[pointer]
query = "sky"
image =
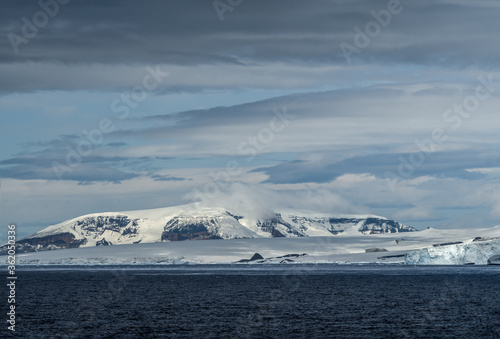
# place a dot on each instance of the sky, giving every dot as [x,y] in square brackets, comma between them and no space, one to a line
[382,107]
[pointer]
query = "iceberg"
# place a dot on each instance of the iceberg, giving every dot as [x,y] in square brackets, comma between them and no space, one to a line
[458,254]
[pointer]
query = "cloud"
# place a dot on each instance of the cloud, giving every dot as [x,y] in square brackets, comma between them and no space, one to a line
[453,164]
[258,201]
[336,127]
[353,121]
[117,144]
[372,119]
[415,213]
[53,164]
[160,177]
[83,173]
[105,46]
[175,32]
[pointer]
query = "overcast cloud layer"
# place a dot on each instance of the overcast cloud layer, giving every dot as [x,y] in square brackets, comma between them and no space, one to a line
[117,105]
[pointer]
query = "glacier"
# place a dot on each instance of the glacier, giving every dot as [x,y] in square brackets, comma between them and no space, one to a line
[474,252]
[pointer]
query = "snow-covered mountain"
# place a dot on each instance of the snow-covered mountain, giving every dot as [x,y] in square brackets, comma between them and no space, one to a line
[193,222]
[449,246]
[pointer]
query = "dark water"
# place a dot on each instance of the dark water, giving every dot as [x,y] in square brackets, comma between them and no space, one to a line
[304,302]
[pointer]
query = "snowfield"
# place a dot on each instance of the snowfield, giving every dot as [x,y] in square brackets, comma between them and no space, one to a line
[413,248]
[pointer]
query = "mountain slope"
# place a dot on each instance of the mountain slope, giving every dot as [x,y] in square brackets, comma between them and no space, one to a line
[343,249]
[192,222]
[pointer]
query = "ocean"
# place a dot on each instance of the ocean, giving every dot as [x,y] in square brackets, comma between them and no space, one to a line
[251,301]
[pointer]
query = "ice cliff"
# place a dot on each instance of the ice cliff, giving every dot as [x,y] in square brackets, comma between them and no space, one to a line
[476,252]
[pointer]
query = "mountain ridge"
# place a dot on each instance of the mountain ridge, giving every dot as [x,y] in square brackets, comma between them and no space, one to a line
[194,222]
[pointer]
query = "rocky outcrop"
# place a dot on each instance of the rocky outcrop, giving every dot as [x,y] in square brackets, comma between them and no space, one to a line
[278,227]
[284,259]
[98,225]
[370,225]
[381,226]
[448,243]
[103,242]
[256,256]
[197,228]
[188,235]
[49,242]
[373,250]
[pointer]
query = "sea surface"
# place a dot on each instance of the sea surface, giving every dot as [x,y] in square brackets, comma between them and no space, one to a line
[249,301]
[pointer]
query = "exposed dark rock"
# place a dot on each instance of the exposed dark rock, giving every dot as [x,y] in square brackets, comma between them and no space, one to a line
[293,255]
[237,217]
[256,256]
[380,226]
[179,236]
[277,234]
[270,225]
[89,226]
[391,256]
[372,250]
[103,242]
[185,228]
[55,241]
[481,239]
[100,224]
[448,243]
[367,226]
[129,230]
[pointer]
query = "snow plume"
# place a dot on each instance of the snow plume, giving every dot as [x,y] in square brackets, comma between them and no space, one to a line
[261,202]
[320,200]
[241,199]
